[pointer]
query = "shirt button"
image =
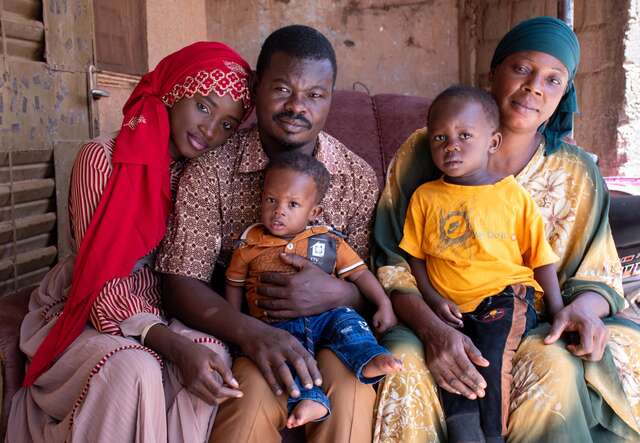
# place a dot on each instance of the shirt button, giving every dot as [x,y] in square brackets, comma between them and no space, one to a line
[289,246]
[513,237]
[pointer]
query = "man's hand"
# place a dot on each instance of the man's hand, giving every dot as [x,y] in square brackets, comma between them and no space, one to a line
[273,350]
[309,291]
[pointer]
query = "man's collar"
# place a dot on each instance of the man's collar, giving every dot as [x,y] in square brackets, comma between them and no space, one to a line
[254,159]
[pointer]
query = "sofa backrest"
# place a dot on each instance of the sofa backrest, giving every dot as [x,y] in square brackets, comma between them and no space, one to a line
[373,126]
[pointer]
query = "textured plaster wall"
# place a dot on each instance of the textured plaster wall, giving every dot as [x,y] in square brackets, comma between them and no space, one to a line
[173,24]
[399,46]
[601,76]
[629,129]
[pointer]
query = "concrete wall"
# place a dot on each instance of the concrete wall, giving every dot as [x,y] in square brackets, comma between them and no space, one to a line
[399,46]
[601,78]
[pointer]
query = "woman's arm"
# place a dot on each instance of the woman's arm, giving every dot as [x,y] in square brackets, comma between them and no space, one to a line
[410,167]
[203,372]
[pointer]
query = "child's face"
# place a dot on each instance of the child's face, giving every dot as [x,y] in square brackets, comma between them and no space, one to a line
[461,139]
[288,202]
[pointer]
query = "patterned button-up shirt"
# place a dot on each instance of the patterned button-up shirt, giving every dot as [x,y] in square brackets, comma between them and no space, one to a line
[219,196]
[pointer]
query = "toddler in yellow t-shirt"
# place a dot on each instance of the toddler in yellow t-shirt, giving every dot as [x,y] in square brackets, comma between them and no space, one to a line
[478,252]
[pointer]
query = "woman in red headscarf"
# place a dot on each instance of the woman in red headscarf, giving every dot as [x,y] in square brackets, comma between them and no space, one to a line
[105,363]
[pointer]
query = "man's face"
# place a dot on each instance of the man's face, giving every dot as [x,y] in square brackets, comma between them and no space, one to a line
[293,98]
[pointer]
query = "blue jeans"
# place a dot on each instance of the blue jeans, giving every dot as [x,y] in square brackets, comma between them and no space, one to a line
[343,331]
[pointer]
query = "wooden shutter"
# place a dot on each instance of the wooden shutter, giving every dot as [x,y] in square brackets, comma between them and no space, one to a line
[121,35]
[22,29]
[27,188]
[27,217]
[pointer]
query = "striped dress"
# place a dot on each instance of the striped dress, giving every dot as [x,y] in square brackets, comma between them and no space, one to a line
[106,386]
[120,298]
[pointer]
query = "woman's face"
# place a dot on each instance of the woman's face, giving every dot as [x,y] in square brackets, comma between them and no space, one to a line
[528,86]
[201,123]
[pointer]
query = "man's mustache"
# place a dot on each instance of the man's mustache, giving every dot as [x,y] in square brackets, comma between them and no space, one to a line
[292,116]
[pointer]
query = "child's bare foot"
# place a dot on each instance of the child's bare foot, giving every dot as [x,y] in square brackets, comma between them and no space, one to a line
[382,364]
[305,412]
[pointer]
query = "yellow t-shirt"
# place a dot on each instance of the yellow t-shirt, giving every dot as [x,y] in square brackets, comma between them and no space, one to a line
[476,240]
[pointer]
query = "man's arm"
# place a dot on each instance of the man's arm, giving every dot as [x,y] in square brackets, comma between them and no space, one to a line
[234,295]
[196,304]
[309,291]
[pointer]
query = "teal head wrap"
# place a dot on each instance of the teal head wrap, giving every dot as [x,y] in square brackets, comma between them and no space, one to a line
[553,37]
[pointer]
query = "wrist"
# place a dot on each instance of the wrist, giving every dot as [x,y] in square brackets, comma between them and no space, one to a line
[249,332]
[435,328]
[165,342]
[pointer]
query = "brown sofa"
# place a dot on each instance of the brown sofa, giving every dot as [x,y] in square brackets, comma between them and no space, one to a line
[373,127]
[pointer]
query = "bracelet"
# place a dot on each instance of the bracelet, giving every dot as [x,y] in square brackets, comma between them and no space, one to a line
[146,329]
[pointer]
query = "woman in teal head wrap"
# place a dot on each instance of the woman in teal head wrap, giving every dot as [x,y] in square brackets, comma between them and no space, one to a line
[586,389]
[550,36]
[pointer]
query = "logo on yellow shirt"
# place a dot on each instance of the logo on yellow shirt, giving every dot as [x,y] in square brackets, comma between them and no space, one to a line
[455,228]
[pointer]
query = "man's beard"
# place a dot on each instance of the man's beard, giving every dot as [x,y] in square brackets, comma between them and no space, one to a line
[291,146]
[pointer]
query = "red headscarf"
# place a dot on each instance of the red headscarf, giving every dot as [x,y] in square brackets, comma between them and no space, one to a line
[131,218]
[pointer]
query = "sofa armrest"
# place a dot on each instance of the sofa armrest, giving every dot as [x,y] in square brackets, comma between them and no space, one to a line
[13,308]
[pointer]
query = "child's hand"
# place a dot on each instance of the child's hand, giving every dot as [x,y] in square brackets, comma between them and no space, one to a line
[384,318]
[448,312]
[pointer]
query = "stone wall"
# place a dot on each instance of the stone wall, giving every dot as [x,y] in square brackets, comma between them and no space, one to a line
[398,46]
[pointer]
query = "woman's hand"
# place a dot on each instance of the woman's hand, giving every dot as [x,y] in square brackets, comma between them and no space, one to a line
[205,374]
[582,317]
[450,356]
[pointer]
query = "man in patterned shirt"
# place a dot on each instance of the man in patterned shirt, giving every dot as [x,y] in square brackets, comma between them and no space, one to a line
[219,196]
